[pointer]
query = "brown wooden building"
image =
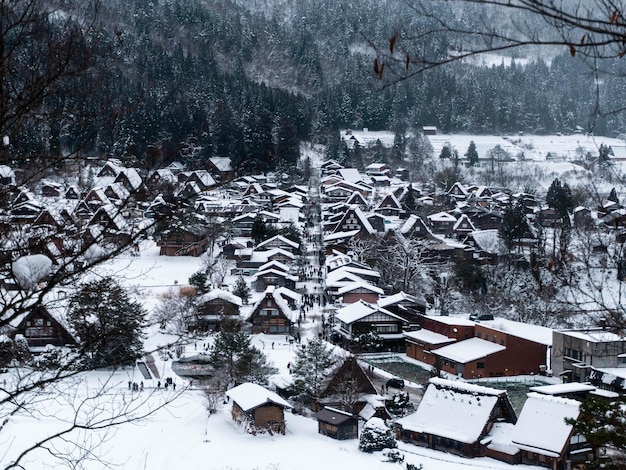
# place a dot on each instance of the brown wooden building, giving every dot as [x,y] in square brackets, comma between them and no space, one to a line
[40,329]
[258,408]
[337,424]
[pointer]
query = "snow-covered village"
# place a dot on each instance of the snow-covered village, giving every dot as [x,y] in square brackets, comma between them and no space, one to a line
[254,323]
[278,235]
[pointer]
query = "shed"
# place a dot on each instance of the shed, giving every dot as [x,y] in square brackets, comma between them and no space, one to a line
[258,408]
[337,424]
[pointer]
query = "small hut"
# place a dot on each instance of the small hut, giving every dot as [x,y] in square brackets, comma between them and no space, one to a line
[258,408]
[337,424]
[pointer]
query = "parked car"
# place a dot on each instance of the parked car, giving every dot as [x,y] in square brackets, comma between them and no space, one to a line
[483,317]
[395,383]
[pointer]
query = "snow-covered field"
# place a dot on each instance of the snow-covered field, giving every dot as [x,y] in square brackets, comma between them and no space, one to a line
[181,434]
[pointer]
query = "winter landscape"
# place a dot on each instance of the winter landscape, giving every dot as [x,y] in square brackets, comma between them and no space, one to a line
[270,235]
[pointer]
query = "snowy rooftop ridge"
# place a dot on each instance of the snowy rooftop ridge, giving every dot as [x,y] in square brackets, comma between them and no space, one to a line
[465,387]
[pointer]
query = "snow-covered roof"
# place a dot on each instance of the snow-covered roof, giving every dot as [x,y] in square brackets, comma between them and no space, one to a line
[249,396]
[220,294]
[30,270]
[278,238]
[536,333]
[541,425]
[454,410]
[349,287]
[562,389]
[360,310]
[489,241]
[400,297]
[469,350]
[428,337]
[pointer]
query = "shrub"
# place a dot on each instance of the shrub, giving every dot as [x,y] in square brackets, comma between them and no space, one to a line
[376,436]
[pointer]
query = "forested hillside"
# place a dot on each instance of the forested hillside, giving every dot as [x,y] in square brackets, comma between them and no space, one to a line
[250,79]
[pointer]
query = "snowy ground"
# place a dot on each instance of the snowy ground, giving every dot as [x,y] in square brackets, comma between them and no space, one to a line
[181,435]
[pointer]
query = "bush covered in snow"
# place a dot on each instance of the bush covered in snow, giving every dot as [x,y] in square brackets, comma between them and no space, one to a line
[376,436]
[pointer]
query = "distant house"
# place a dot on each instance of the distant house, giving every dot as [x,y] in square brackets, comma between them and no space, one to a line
[389,206]
[362,318]
[337,424]
[545,438]
[429,130]
[273,277]
[275,312]
[191,240]
[411,307]
[41,329]
[221,167]
[213,308]
[442,222]
[258,409]
[455,417]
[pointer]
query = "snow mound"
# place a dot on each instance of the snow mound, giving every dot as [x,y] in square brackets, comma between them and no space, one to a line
[30,270]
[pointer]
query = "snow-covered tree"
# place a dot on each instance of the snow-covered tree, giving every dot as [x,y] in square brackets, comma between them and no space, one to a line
[234,358]
[108,323]
[311,367]
[242,290]
[472,154]
[376,436]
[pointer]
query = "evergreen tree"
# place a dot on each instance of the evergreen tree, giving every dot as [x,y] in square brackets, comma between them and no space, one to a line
[234,359]
[409,200]
[613,196]
[376,436]
[514,225]
[311,367]
[559,197]
[446,153]
[108,323]
[242,290]
[200,281]
[603,423]
[472,154]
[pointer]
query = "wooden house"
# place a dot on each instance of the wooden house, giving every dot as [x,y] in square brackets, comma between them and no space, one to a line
[355,291]
[362,318]
[191,240]
[545,438]
[337,424]
[213,308]
[273,277]
[273,314]
[389,206]
[355,219]
[442,223]
[51,189]
[278,241]
[258,409]
[7,176]
[346,386]
[455,417]
[221,168]
[411,307]
[41,328]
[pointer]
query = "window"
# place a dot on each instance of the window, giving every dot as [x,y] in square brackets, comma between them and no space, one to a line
[480,365]
[501,342]
[486,336]
[493,339]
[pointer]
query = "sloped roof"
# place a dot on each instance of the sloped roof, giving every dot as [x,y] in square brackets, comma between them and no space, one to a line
[250,396]
[541,425]
[454,410]
[469,350]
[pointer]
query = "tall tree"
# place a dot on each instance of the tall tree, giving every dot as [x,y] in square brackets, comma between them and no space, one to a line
[514,225]
[472,154]
[108,323]
[559,197]
[234,358]
[311,367]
